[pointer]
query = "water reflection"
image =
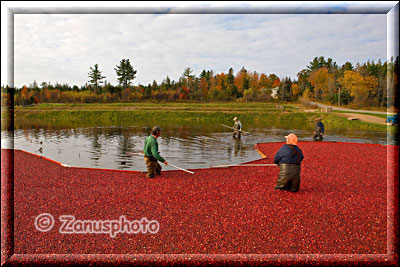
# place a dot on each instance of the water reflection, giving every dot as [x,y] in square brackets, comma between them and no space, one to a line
[189,145]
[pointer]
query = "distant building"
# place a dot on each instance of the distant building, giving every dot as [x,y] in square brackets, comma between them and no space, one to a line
[274,93]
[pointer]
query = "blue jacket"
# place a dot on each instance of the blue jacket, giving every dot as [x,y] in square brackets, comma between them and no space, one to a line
[394,119]
[320,124]
[285,155]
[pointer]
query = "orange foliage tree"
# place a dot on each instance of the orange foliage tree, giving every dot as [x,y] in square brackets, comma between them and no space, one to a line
[276,83]
[359,86]
[320,79]
[295,91]
[203,87]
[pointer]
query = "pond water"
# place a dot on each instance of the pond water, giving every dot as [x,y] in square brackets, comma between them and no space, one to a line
[188,146]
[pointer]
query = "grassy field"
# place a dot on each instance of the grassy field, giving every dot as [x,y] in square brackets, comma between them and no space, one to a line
[120,114]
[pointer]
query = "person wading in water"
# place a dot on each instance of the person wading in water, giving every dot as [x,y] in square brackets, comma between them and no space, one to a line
[237,128]
[151,154]
[319,130]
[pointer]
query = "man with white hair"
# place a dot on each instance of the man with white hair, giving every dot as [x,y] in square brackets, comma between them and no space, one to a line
[289,159]
[237,128]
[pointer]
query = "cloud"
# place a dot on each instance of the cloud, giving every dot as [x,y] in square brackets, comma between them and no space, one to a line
[62,47]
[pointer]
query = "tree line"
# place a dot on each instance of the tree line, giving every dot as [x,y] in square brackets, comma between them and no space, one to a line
[322,80]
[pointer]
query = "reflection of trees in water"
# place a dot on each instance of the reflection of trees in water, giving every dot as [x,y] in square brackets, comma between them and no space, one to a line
[23,123]
[187,130]
[187,142]
[35,133]
[96,146]
[125,144]
[76,133]
[125,139]
[54,135]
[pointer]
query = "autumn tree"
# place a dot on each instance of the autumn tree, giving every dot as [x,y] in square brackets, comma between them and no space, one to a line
[186,81]
[249,95]
[254,81]
[295,91]
[302,78]
[321,79]
[241,81]
[224,86]
[276,81]
[358,86]
[24,95]
[212,91]
[307,94]
[190,84]
[220,82]
[203,88]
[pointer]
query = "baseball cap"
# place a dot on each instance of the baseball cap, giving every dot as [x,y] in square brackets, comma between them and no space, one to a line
[156,130]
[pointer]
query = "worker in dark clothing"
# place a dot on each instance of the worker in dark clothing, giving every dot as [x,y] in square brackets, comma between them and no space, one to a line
[151,154]
[289,159]
[319,130]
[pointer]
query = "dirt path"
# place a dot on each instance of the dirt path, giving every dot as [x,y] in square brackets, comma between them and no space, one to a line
[363,117]
[391,111]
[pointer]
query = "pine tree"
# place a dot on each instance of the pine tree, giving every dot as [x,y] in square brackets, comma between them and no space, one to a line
[125,73]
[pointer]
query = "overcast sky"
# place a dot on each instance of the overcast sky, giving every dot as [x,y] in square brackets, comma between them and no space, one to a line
[62,47]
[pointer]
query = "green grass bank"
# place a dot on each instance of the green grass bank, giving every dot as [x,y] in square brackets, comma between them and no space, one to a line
[125,114]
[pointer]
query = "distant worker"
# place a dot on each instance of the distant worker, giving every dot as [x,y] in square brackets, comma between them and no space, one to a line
[151,154]
[237,128]
[393,120]
[289,159]
[319,130]
[280,107]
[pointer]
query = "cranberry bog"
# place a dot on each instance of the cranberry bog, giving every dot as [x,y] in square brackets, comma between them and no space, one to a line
[344,212]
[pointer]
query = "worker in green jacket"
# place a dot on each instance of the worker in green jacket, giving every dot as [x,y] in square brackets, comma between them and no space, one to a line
[151,154]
